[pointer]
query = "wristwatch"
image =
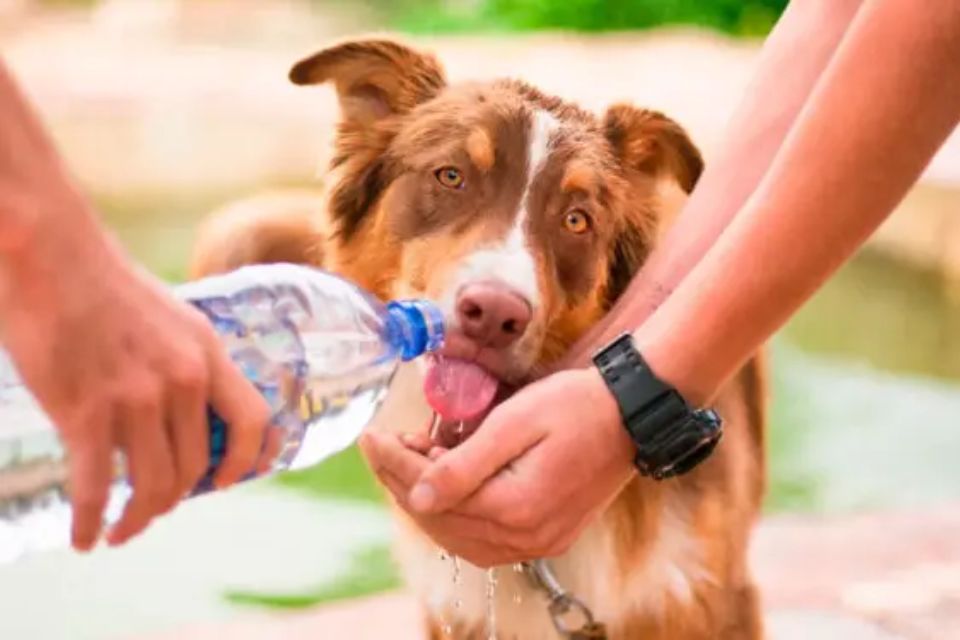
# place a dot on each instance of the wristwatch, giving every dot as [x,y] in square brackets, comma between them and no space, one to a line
[671,437]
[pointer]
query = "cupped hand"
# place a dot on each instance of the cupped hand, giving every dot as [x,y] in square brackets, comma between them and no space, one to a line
[542,467]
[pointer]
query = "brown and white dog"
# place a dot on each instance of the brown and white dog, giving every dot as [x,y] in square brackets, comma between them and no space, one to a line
[524,217]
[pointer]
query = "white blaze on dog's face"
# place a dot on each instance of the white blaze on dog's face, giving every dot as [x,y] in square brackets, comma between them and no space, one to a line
[509,262]
[492,283]
[522,215]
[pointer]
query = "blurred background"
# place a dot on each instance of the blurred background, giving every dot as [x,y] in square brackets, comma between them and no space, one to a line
[165,109]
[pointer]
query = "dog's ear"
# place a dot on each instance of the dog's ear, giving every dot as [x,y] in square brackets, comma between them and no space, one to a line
[648,145]
[373,78]
[653,144]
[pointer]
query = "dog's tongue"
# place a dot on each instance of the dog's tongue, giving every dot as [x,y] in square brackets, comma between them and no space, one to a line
[457,389]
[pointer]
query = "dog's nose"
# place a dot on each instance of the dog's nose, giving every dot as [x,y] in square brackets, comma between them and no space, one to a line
[492,314]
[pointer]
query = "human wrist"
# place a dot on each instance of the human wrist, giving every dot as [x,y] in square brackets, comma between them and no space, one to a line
[675,363]
[59,246]
[598,395]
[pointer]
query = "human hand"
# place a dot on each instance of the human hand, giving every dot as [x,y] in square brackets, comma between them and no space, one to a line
[541,467]
[119,364]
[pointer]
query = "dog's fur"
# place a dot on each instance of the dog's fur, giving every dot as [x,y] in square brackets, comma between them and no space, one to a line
[667,561]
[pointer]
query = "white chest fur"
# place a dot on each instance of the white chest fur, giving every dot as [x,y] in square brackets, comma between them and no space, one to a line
[590,570]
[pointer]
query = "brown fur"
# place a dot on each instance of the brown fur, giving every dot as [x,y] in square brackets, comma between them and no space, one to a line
[271,227]
[394,230]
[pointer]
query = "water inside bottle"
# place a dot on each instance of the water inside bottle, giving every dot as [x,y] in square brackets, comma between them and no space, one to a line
[324,378]
[34,509]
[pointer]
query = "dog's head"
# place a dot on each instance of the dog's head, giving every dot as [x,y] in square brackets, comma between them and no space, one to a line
[524,216]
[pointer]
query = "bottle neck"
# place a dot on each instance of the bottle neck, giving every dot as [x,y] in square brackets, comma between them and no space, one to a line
[415,327]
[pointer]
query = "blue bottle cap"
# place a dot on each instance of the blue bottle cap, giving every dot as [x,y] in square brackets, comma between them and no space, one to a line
[419,327]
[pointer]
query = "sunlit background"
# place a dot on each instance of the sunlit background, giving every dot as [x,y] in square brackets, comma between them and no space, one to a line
[168,108]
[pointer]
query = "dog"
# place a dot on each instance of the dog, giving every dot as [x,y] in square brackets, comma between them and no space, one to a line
[524,217]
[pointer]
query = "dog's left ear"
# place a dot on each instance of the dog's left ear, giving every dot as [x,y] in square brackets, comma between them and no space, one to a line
[653,144]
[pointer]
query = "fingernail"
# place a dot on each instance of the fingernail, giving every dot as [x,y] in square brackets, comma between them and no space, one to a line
[423,497]
[84,545]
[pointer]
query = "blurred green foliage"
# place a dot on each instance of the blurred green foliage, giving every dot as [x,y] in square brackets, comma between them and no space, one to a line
[371,572]
[737,17]
[343,476]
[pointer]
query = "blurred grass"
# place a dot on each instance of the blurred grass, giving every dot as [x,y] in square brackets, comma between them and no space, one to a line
[343,476]
[372,572]
[790,487]
[736,17]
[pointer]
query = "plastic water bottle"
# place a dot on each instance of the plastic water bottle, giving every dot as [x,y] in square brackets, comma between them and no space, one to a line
[321,351]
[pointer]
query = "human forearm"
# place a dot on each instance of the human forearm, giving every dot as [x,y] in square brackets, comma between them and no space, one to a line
[781,84]
[117,363]
[44,220]
[889,98]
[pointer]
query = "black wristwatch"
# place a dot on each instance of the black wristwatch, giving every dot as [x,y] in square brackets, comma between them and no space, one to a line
[671,436]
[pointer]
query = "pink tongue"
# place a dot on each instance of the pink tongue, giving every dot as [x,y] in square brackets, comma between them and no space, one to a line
[457,389]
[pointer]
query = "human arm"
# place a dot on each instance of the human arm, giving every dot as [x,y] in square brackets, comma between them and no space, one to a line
[852,153]
[885,104]
[115,361]
[780,86]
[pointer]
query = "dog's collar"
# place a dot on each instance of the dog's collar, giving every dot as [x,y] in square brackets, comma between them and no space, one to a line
[565,609]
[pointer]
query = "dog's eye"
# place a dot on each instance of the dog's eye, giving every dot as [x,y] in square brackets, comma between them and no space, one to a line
[576,221]
[450,177]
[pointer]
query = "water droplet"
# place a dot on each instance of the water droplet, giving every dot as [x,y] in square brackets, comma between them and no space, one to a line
[456,570]
[517,598]
[491,604]
[460,428]
[447,629]
[458,604]
[444,556]
[518,568]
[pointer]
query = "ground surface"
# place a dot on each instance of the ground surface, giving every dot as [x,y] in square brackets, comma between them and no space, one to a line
[893,576]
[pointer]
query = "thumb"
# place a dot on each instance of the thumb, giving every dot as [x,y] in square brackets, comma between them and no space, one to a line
[452,478]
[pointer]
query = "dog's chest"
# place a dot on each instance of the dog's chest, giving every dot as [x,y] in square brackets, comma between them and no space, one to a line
[461,595]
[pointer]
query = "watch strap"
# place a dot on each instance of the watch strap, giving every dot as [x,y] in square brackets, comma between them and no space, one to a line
[671,437]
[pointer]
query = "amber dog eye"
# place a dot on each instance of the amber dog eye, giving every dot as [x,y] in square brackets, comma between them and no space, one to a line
[450,177]
[577,222]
